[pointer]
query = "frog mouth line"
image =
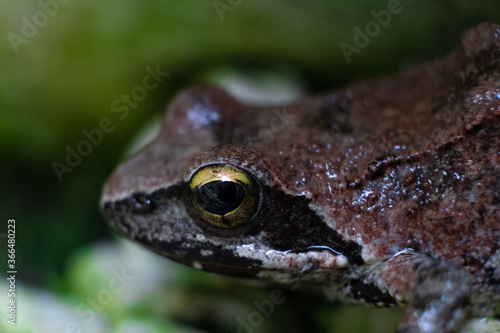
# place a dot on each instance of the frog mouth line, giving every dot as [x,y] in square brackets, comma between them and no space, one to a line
[241,266]
[239,271]
[314,248]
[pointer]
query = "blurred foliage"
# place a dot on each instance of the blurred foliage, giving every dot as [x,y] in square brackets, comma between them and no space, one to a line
[64,79]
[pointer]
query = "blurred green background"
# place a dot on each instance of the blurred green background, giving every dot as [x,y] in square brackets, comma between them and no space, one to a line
[60,73]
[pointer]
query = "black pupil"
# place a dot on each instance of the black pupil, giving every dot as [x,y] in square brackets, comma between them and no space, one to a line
[220,197]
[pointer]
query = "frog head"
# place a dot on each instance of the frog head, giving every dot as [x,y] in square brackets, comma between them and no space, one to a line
[208,193]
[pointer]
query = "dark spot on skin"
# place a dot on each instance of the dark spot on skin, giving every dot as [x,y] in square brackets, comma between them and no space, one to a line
[331,115]
[412,212]
[375,170]
[334,101]
[370,293]
[409,179]
[492,276]
[448,146]
[341,128]
[380,164]
[415,157]
[354,183]
[377,167]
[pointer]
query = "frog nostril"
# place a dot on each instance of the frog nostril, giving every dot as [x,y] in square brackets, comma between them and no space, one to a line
[141,204]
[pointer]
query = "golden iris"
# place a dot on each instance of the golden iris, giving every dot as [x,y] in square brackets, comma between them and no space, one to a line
[224,196]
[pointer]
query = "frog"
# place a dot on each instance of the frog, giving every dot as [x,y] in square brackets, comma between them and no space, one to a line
[385,193]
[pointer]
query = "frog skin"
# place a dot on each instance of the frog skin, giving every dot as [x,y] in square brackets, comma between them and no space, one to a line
[386,193]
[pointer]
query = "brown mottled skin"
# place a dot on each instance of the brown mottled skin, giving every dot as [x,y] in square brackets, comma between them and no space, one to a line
[399,176]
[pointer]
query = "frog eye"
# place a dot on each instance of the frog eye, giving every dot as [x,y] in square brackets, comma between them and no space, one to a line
[224,196]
